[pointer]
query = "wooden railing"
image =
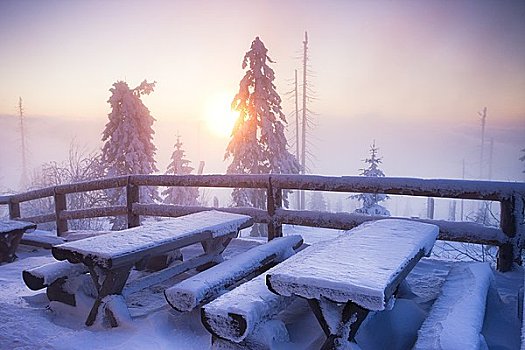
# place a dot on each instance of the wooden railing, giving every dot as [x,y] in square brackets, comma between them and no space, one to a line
[508,237]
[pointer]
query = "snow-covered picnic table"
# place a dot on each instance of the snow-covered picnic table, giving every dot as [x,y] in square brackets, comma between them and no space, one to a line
[358,272]
[11,232]
[109,258]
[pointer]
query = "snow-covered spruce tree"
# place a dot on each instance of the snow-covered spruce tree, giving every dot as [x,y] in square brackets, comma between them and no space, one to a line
[180,166]
[128,147]
[370,201]
[258,144]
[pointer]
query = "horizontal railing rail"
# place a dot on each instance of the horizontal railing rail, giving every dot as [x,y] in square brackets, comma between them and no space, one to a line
[508,237]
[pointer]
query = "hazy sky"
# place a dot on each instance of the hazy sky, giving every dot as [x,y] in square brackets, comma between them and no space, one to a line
[387,62]
[424,59]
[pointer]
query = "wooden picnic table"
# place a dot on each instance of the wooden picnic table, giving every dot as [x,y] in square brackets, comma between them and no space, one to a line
[358,272]
[11,232]
[110,258]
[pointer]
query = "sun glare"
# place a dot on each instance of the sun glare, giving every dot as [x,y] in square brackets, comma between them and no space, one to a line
[219,116]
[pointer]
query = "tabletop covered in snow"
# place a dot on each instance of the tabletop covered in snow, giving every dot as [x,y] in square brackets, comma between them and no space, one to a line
[356,266]
[120,243]
[7,226]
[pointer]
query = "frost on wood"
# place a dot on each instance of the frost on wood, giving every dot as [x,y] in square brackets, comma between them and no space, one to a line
[258,144]
[357,267]
[234,315]
[456,318]
[205,286]
[152,234]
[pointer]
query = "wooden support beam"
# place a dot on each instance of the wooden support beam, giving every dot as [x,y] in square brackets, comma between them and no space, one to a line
[510,218]
[60,205]
[133,196]
[14,210]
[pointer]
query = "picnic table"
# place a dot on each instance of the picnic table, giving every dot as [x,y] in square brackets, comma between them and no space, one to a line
[346,278]
[109,258]
[11,232]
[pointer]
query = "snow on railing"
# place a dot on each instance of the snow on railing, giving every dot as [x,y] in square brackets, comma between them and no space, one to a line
[510,194]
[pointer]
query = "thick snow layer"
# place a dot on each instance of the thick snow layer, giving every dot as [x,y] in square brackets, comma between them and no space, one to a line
[151,234]
[188,294]
[251,300]
[51,272]
[357,267]
[27,322]
[456,318]
[12,225]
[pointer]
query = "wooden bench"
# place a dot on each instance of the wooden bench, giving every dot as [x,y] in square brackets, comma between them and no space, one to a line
[195,291]
[109,258]
[53,276]
[11,232]
[346,278]
[459,309]
[235,316]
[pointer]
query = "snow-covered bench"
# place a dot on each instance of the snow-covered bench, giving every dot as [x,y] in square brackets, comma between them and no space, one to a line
[234,317]
[11,232]
[346,278]
[456,318]
[208,285]
[110,257]
[53,276]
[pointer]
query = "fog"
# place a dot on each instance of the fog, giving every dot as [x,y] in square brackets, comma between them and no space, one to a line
[415,149]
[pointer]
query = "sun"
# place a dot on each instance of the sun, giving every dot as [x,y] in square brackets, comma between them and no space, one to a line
[219,116]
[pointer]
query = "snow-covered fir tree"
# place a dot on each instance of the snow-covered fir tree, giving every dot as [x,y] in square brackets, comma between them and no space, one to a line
[180,166]
[128,138]
[370,201]
[317,202]
[258,144]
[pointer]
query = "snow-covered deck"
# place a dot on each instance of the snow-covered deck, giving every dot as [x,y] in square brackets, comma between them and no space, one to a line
[28,322]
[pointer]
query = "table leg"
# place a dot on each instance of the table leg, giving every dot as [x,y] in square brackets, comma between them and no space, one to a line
[215,246]
[107,282]
[344,326]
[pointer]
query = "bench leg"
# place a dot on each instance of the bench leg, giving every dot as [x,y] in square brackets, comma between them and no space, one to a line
[107,282]
[8,244]
[56,292]
[345,326]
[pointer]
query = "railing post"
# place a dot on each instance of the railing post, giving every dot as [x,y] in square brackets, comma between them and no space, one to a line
[132,196]
[14,209]
[274,198]
[510,219]
[60,205]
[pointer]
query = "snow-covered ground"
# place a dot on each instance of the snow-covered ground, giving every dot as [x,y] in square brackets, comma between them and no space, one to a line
[28,321]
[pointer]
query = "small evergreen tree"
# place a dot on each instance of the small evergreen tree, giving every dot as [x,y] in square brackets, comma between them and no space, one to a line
[317,202]
[180,166]
[128,147]
[258,144]
[370,201]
